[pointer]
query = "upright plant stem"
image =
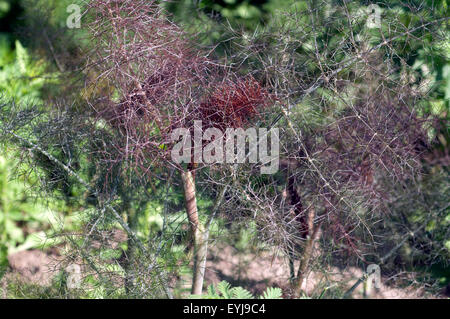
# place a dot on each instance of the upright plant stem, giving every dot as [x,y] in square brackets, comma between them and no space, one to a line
[131,252]
[303,267]
[307,253]
[200,254]
[200,232]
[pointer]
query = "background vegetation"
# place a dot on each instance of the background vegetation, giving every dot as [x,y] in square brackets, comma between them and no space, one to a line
[50,98]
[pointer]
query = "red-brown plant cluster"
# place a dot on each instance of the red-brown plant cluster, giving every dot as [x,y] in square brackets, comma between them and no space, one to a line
[234,103]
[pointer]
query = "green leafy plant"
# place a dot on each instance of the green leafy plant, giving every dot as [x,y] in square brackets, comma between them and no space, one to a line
[22,218]
[21,77]
[223,290]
